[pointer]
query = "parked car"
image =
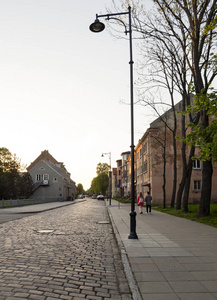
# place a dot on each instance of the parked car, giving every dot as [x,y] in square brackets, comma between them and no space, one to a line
[80,197]
[100,197]
[94,197]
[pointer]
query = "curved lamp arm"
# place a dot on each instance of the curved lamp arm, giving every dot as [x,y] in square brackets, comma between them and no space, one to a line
[109,18]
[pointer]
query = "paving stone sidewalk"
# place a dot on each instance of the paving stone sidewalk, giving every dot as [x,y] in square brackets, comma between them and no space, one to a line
[65,253]
[172,259]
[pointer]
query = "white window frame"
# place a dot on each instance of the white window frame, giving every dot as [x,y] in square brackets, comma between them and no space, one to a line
[38,177]
[45,176]
[197,185]
[197,164]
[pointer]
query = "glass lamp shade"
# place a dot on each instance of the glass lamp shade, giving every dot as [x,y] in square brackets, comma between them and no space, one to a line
[97,26]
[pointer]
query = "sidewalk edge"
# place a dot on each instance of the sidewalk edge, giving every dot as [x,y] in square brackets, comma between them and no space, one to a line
[3,210]
[129,275]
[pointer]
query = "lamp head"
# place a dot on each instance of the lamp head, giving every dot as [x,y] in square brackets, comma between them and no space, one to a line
[97,26]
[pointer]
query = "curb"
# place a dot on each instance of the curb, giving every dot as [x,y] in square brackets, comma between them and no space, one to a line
[128,271]
[5,211]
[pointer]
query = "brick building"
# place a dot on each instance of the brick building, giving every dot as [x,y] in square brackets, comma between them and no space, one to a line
[154,157]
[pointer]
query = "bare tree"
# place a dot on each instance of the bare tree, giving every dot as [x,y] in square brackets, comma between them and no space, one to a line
[166,71]
[198,18]
[160,138]
[181,37]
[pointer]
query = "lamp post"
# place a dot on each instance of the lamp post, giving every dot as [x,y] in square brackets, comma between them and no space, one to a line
[110,174]
[98,26]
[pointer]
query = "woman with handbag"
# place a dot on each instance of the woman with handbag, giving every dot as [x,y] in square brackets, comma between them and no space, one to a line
[140,202]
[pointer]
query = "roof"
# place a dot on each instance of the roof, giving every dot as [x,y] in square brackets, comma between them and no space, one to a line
[127,152]
[45,156]
[60,171]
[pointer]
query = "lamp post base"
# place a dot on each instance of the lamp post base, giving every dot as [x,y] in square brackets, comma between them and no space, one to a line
[133,234]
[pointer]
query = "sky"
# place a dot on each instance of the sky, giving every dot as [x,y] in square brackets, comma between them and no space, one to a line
[63,88]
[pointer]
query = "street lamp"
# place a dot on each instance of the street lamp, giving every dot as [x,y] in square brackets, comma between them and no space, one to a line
[110,174]
[97,26]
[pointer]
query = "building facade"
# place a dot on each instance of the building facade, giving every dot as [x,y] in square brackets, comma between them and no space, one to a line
[125,171]
[114,183]
[119,177]
[154,162]
[51,180]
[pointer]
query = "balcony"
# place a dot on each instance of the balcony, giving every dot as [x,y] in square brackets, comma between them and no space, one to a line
[40,183]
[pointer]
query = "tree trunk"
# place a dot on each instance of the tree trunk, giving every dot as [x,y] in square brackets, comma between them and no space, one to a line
[174,171]
[164,177]
[204,207]
[188,181]
[187,168]
[184,164]
[181,189]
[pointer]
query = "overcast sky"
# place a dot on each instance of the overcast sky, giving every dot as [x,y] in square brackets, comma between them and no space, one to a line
[62,87]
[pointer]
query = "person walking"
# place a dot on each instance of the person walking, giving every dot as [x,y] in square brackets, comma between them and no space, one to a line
[148,200]
[140,202]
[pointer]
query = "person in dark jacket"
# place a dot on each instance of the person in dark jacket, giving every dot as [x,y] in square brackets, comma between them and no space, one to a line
[148,200]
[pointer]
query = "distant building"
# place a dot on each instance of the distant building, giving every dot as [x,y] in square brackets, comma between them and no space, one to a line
[124,179]
[119,177]
[51,179]
[114,183]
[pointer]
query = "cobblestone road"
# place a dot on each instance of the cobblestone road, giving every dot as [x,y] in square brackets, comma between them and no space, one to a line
[66,253]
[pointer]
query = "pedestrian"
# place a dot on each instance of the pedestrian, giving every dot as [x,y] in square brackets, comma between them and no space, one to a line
[140,202]
[148,200]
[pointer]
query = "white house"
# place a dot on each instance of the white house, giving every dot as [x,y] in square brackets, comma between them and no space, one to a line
[51,179]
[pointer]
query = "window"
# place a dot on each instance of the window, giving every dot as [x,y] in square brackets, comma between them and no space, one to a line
[197,185]
[45,177]
[145,167]
[194,117]
[137,172]
[145,148]
[197,164]
[37,177]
